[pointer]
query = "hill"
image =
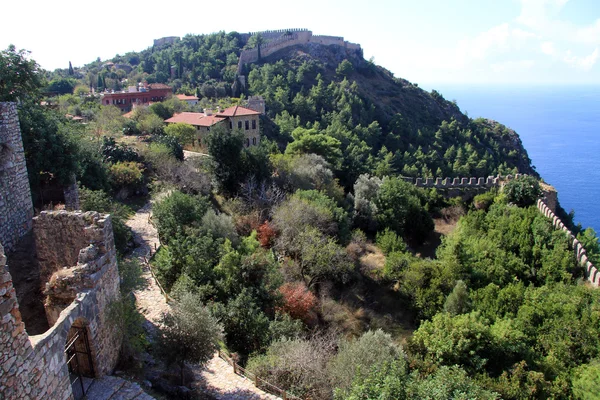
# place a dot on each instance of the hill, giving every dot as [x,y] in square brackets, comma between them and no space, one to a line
[383,124]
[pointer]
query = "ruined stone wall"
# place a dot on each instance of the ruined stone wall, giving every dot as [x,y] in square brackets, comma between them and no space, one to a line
[16,207]
[591,272]
[71,193]
[35,366]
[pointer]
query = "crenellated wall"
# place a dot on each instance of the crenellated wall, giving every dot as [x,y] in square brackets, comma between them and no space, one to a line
[591,273]
[283,38]
[16,207]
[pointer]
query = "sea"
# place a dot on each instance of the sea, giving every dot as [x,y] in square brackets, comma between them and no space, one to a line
[560,128]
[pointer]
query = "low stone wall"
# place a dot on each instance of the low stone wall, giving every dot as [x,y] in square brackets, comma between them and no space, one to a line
[16,207]
[35,366]
[591,273]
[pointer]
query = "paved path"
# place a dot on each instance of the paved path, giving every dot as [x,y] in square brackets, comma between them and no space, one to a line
[115,388]
[191,154]
[150,300]
[217,378]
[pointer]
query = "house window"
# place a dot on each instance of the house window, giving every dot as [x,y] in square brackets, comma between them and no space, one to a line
[247,125]
[254,141]
[239,124]
[247,142]
[230,125]
[253,124]
[107,102]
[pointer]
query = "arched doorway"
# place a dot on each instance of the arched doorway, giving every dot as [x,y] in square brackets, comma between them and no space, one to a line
[79,358]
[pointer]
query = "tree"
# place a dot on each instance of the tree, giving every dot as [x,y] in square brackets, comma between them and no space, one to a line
[20,77]
[356,358]
[61,85]
[523,191]
[71,72]
[312,141]
[256,41]
[187,334]
[321,258]
[226,151]
[246,325]
[458,301]
[344,68]
[400,208]
[184,133]
[176,211]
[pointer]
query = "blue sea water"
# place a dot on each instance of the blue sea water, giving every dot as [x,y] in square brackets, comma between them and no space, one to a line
[560,128]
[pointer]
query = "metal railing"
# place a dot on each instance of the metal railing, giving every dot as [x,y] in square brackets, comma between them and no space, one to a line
[258,382]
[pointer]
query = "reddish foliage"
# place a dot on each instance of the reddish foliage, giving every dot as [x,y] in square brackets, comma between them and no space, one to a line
[298,301]
[247,223]
[266,234]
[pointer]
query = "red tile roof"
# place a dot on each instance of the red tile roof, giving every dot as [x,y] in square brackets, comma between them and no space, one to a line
[128,114]
[237,111]
[186,97]
[196,119]
[158,86]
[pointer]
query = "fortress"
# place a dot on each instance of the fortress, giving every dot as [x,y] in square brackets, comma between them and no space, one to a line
[280,39]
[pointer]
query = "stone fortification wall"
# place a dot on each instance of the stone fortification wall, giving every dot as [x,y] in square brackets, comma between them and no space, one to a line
[328,40]
[34,367]
[16,207]
[591,273]
[281,39]
[276,33]
[547,205]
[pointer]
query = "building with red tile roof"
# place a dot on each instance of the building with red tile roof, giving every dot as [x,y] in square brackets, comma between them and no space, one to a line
[236,117]
[191,100]
[136,95]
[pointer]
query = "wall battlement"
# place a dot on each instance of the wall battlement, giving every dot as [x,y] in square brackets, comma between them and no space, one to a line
[283,38]
[547,206]
[591,272]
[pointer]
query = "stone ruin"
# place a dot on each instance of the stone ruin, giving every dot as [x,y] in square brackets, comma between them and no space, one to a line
[75,275]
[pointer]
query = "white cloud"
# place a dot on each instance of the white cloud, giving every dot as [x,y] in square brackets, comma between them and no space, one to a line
[512,66]
[548,48]
[584,63]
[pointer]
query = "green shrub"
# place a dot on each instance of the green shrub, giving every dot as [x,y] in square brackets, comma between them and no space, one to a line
[523,191]
[126,174]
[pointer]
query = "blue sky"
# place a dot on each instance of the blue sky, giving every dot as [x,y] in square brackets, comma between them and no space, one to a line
[424,41]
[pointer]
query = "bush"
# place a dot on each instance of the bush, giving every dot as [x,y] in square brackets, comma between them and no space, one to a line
[177,211]
[266,234]
[126,174]
[298,366]
[523,192]
[285,327]
[171,143]
[483,201]
[187,334]
[220,226]
[298,301]
[389,242]
[114,152]
[356,358]
[246,326]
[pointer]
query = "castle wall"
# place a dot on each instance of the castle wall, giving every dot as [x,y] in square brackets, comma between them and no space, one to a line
[34,367]
[591,272]
[16,207]
[547,206]
[281,39]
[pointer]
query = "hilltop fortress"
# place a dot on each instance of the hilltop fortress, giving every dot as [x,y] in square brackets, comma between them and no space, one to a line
[280,39]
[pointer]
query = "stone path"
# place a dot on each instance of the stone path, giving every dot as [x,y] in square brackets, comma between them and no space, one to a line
[217,378]
[114,388]
[150,300]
